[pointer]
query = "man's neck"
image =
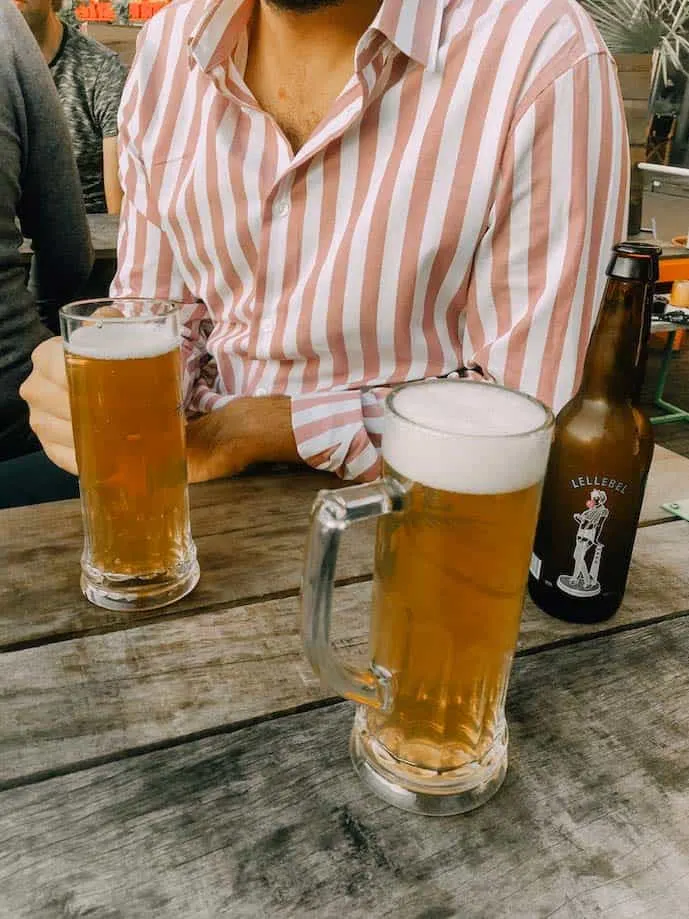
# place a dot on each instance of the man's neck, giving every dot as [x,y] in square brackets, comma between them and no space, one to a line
[49,41]
[328,34]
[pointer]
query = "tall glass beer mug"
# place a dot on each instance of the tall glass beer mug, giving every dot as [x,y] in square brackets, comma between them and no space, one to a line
[124,375]
[463,468]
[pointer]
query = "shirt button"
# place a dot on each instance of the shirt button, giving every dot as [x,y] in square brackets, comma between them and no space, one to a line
[281,207]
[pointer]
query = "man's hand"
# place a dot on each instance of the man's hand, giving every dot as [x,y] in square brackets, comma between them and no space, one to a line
[45,389]
[223,443]
[248,430]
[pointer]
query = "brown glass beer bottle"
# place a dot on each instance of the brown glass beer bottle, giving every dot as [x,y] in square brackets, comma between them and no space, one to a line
[600,457]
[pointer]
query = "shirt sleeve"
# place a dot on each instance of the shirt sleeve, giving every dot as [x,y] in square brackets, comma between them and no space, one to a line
[340,431]
[561,204]
[146,264]
[107,93]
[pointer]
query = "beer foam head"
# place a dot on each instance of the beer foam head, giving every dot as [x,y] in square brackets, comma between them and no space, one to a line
[119,341]
[461,436]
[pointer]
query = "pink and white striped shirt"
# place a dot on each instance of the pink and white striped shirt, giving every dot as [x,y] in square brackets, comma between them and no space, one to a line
[454,210]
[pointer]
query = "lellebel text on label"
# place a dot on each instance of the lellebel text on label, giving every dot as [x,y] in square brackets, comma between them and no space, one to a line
[600,482]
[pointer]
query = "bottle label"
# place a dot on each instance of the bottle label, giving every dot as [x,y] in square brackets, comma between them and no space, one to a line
[535,566]
[588,548]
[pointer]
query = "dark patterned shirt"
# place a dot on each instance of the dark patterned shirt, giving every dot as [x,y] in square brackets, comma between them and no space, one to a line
[89,78]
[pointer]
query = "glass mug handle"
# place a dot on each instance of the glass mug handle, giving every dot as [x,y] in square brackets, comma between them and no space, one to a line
[332,513]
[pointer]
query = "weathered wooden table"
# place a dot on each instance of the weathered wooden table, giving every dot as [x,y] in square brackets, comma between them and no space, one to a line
[187,764]
[103,229]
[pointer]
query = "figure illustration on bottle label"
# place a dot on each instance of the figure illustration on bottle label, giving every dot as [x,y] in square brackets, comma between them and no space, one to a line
[583,582]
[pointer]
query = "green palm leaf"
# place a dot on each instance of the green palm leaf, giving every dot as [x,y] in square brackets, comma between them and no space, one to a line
[644,26]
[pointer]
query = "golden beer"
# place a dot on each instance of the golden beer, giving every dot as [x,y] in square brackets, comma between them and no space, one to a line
[125,393]
[463,469]
[449,584]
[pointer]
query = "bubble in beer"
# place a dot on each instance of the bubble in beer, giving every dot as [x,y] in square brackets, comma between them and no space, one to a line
[468,437]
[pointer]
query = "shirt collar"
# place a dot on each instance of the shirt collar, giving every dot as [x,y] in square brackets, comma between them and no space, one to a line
[218,32]
[413,26]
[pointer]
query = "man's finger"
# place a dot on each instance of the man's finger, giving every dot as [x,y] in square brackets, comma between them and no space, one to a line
[49,362]
[50,429]
[108,312]
[62,457]
[46,397]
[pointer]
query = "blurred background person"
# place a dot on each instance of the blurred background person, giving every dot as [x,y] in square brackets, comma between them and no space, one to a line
[40,198]
[89,78]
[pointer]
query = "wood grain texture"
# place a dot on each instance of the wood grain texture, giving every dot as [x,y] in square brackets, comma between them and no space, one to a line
[250,534]
[270,820]
[96,696]
[635,83]
[119,38]
[103,228]
[667,481]
[630,62]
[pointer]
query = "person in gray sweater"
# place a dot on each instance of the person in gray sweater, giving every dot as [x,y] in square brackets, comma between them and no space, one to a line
[40,198]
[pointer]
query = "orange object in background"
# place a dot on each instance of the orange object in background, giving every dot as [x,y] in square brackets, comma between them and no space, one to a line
[105,12]
[675,269]
[102,10]
[679,295]
[679,299]
[658,340]
[86,12]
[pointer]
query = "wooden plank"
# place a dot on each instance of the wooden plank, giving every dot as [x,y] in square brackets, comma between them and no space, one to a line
[96,696]
[630,62]
[668,481]
[635,84]
[636,115]
[250,534]
[119,38]
[593,819]
[103,228]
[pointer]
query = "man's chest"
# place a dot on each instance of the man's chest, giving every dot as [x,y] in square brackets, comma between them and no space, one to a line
[296,101]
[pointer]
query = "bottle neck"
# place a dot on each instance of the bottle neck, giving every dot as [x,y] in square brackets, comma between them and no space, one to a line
[615,358]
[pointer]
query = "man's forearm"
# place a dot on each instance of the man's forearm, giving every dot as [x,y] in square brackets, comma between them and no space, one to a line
[248,430]
[111,181]
[268,421]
